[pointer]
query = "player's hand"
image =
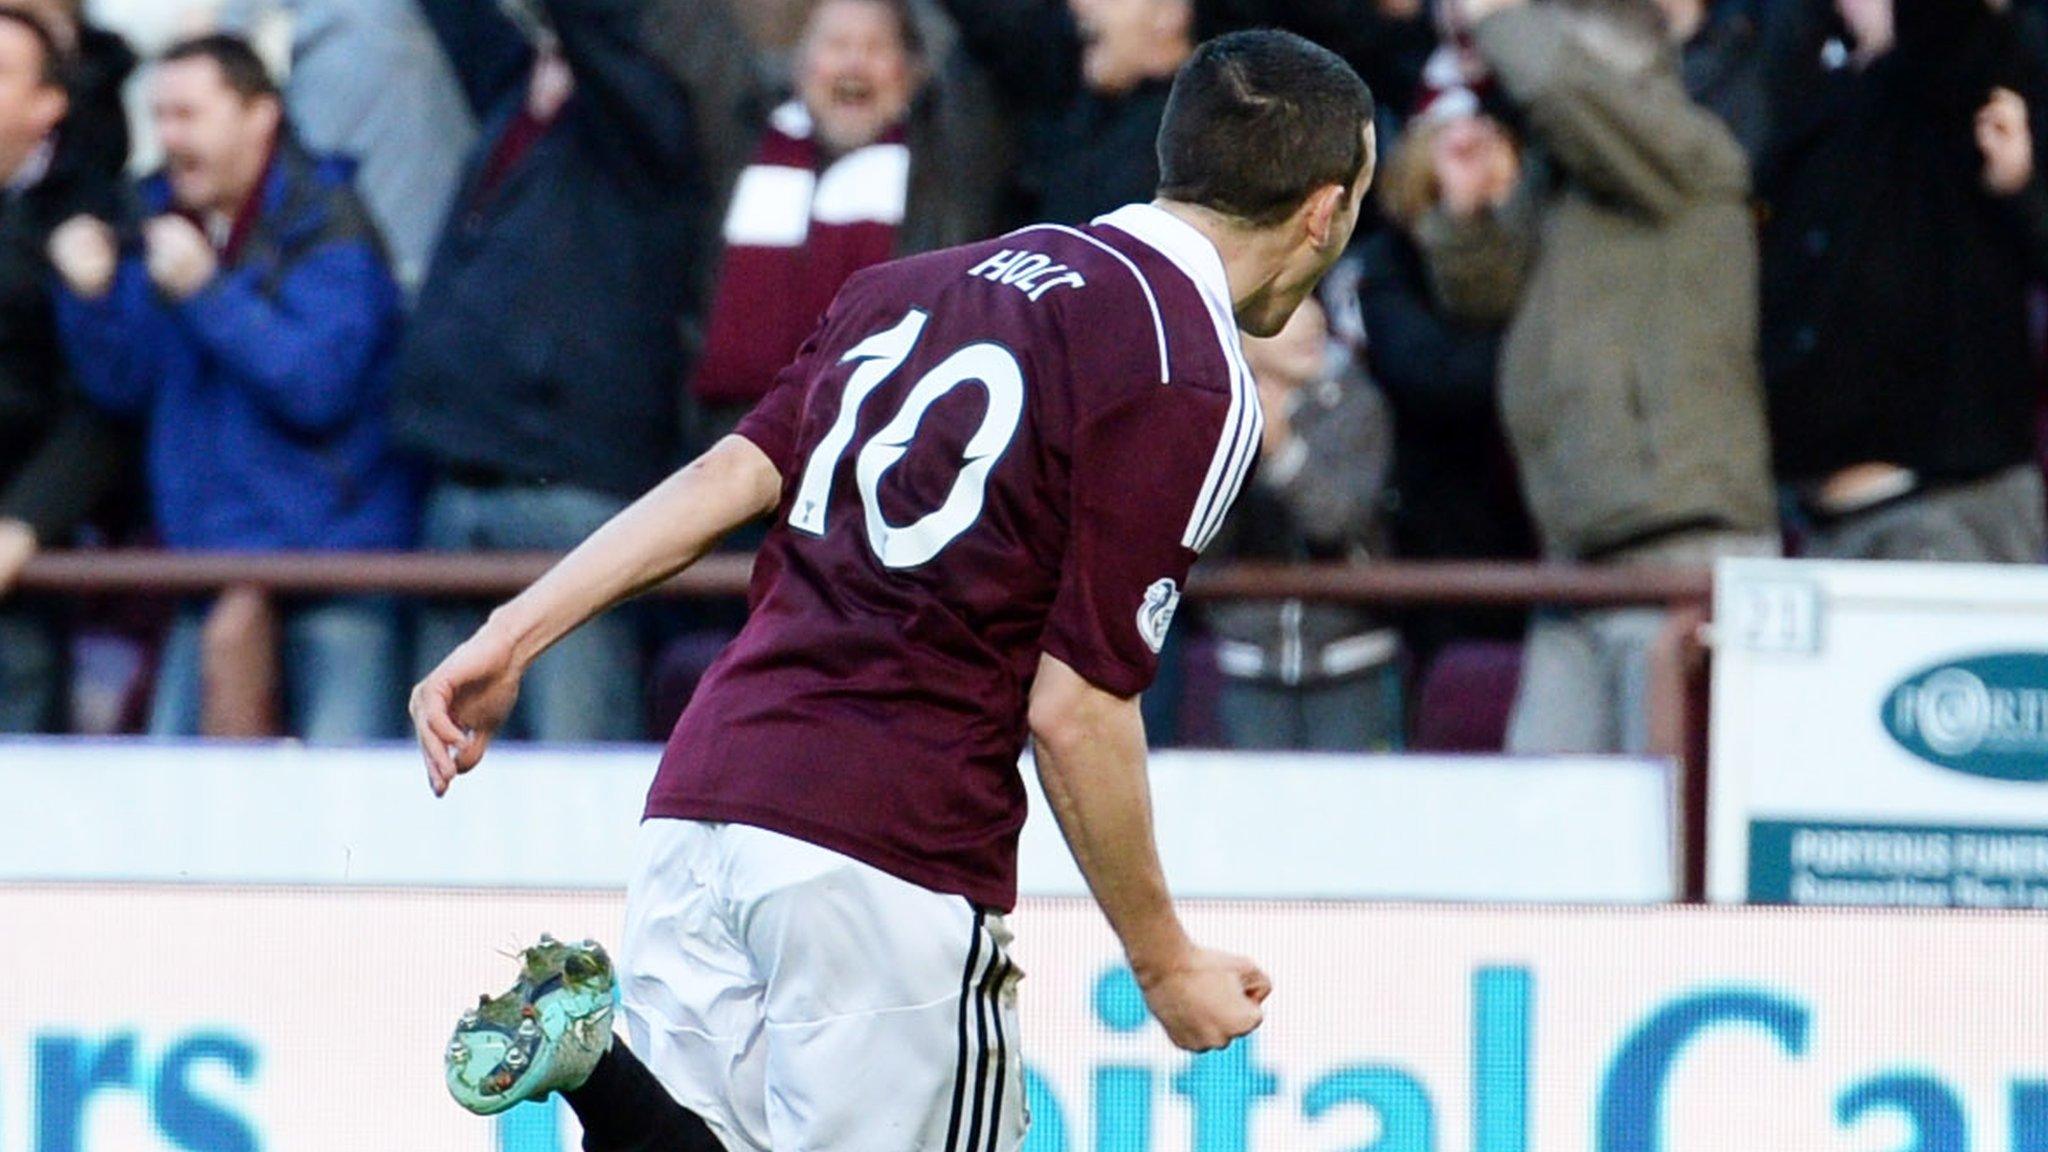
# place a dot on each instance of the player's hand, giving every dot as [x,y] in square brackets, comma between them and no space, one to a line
[1207,999]
[462,704]
[84,253]
[181,260]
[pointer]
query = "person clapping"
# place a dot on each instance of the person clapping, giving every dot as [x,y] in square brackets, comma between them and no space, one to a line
[247,321]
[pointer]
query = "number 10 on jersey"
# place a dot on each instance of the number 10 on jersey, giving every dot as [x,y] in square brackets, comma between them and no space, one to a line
[878,358]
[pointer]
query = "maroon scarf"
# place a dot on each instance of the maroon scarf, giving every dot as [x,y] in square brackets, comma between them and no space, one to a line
[797,228]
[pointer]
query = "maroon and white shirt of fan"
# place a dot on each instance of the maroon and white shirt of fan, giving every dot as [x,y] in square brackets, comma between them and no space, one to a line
[991,452]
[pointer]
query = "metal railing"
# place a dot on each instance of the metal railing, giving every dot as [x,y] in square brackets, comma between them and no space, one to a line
[444,574]
[1678,695]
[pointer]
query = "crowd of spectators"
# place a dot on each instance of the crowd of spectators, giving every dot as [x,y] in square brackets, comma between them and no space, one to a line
[1650,282]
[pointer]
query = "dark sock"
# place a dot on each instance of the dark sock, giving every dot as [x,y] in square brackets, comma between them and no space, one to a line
[623,1108]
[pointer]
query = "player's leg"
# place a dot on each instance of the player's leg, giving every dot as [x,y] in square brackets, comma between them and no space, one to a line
[690,999]
[891,1009]
[551,1032]
[544,1034]
[624,1108]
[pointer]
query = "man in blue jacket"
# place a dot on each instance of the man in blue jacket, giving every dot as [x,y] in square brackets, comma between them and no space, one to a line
[250,326]
[542,373]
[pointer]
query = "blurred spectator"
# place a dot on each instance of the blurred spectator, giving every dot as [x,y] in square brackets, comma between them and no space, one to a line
[367,80]
[1907,223]
[1088,81]
[146,27]
[1296,675]
[876,156]
[775,25]
[1388,41]
[1629,378]
[1455,64]
[249,322]
[541,376]
[1722,62]
[1454,494]
[58,456]
[99,63]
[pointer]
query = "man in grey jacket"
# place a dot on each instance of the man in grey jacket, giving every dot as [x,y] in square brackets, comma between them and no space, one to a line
[1629,378]
[1297,675]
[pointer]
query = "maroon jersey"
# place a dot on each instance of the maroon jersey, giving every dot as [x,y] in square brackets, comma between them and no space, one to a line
[991,452]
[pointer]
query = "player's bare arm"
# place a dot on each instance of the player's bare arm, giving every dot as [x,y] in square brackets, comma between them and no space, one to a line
[463,702]
[1091,761]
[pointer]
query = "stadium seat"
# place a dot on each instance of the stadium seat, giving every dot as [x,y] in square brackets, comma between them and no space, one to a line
[1465,697]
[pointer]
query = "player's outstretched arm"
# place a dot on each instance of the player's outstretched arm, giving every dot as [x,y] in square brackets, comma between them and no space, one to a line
[463,702]
[1091,762]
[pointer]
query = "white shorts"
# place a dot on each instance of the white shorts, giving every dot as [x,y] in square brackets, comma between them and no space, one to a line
[798,999]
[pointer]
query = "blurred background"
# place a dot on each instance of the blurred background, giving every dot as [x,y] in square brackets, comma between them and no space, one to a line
[1651,513]
[1644,284]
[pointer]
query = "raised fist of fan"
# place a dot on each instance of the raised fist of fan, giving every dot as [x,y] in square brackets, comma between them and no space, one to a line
[2003,138]
[181,260]
[84,253]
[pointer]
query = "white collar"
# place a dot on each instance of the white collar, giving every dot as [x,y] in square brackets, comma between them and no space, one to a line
[1180,242]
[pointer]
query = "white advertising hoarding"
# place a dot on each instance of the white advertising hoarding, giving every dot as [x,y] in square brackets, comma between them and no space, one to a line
[225,1019]
[1444,828]
[1880,735]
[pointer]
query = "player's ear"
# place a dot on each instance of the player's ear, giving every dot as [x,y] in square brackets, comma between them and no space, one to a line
[1321,213]
[1372,157]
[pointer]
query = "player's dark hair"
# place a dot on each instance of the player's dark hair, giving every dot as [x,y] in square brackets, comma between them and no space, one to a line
[52,73]
[240,67]
[1257,121]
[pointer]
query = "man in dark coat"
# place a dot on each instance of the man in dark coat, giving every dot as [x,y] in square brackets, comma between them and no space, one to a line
[1087,83]
[61,153]
[541,377]
[1906,226]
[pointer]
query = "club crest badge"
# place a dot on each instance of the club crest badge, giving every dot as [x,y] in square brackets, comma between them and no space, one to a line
[1155,615]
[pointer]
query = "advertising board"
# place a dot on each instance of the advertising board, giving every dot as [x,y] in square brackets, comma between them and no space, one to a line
[1343,827]
[1880,735]
[224,1019]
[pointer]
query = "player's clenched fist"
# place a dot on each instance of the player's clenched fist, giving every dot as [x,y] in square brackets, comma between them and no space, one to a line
[85,254]
[1208,999]
[181,260]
